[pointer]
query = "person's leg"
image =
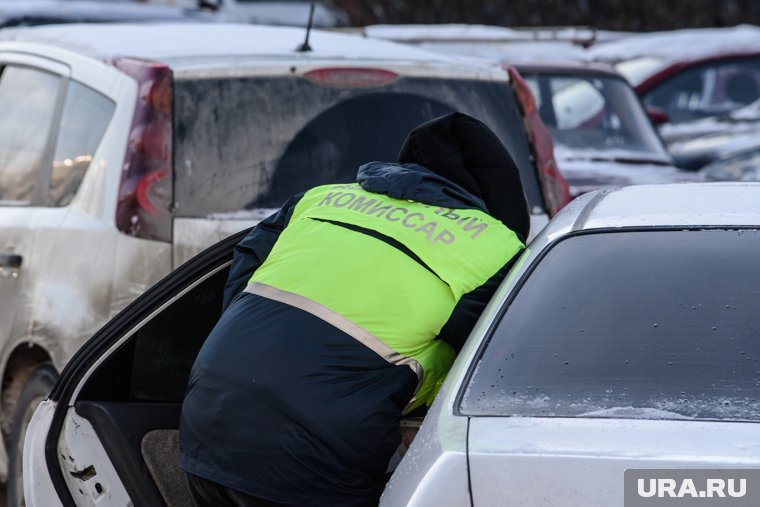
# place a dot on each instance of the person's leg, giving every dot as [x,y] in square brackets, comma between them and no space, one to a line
[207,493]
[243,500]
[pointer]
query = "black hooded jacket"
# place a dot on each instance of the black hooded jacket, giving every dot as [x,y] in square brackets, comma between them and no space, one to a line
[285,407]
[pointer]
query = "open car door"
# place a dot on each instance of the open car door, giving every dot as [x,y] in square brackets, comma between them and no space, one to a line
[110,426]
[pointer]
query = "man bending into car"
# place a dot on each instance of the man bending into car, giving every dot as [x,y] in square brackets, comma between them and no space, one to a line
[343,311]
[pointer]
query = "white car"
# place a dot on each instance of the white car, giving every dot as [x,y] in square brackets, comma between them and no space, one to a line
[127,149]
[624,338]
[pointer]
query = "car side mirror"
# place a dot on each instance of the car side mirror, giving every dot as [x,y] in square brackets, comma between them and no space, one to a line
[657,115]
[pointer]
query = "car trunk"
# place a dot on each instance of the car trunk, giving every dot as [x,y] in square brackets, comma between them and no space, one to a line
[561,461]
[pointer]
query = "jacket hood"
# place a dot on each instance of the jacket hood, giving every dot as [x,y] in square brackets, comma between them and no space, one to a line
[417,183]
[464,151]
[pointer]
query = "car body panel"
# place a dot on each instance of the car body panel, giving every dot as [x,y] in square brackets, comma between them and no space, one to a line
[590,174]
[86,467]
[435,473]
[38,488]
[581,462]
[702,204]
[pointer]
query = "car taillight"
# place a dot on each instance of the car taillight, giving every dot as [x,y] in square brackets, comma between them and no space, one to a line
[351,77]
[555,189]
[145,191]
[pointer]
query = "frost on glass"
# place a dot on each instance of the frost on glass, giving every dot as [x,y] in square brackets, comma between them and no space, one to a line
[652,325]
[248,143]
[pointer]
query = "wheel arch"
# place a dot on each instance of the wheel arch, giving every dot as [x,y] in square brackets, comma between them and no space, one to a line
[21,362]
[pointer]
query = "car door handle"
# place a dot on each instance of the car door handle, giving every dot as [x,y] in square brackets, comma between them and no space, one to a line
[10,260]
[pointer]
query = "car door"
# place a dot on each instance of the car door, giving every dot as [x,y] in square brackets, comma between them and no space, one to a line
[113,437]
[31,96]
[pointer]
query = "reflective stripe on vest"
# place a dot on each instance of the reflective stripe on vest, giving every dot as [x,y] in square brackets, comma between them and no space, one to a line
[336,320]
[400,295]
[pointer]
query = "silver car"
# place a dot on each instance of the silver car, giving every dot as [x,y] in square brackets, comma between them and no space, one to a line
[624,337]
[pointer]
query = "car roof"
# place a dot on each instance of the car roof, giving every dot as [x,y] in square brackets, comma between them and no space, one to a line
[681,45]
[482,33]
[187,44]
[568,67]
[490,43]
[688,205]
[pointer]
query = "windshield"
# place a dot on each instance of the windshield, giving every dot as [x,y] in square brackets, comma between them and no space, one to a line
[245,143]
[657,324]
[595,117]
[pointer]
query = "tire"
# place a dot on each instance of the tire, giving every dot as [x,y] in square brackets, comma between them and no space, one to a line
[36,388]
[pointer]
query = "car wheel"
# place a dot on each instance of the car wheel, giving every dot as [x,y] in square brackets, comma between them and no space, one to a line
[37,386]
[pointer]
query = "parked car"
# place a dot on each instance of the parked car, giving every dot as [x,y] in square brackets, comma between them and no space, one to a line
[600,352]
[126,149]
[718,138]
[274,12]
[741,165]
[602,136]
[45,12]
[686,75]
[603,352]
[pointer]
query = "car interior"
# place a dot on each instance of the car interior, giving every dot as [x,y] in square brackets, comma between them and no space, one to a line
[133,399]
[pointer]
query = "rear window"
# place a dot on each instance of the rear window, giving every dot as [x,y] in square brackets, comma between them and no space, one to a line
[249,143]
[655,325]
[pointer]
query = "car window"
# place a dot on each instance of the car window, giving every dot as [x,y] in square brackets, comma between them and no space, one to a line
[86,114]
[27,100]
[595,113]
[657,324]
[154,365]
[253,142]
[708,90]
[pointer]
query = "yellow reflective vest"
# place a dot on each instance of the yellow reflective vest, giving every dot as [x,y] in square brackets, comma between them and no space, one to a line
[388,272]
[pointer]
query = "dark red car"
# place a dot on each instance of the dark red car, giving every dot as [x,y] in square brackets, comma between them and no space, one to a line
[687,75]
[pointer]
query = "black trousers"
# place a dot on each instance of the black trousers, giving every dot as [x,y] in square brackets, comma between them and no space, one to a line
[206,493]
